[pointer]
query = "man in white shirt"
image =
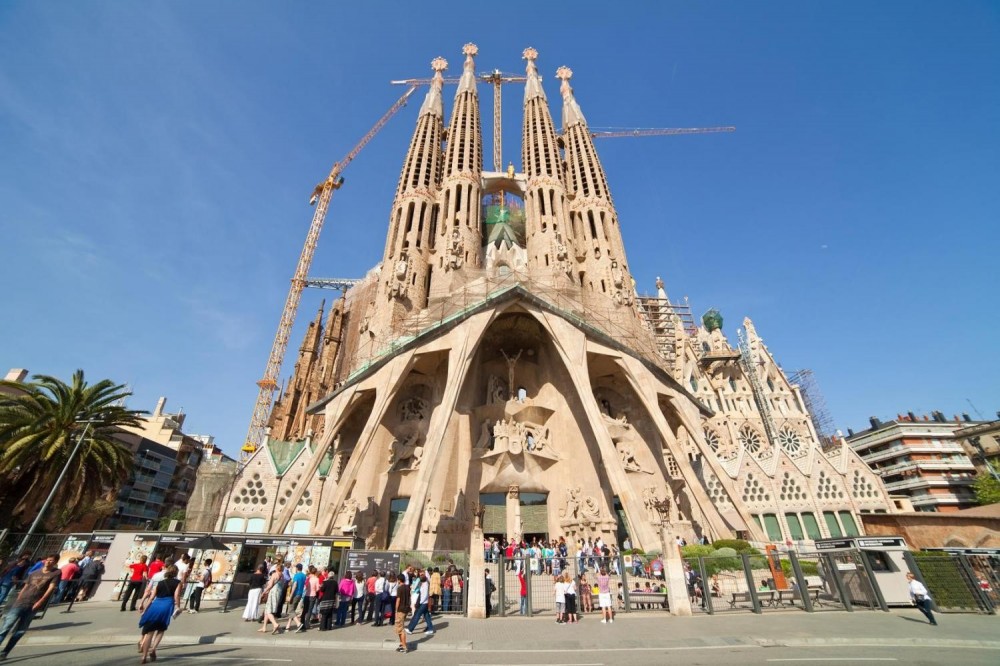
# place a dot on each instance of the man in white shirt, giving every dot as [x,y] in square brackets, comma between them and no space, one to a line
[424,595]
[920,597]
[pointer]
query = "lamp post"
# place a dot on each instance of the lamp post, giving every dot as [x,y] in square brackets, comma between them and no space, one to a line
[673,569]
[52,493]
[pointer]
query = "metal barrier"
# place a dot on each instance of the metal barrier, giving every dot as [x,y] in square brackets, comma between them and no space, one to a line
[956,582]
[526,585]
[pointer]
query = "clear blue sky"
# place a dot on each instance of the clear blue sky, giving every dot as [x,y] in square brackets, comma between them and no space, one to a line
[156,161]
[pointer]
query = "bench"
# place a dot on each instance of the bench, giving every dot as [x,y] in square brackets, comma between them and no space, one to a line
[739,597]
[656,599]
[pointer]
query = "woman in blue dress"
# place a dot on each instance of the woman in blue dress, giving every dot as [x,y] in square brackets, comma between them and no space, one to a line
[159,603]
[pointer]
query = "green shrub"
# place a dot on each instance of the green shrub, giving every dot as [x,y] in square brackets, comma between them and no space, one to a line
[696,550]
[944,581]
[739,545]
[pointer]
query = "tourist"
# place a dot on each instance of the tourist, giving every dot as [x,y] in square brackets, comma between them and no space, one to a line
[156,566]
[204,582]
[38,587]
[457,585]
[604,596]
[347,589]
[446,591]
[381,596]
[67,574]
[560,595]
[310,590]
[183,574]
[358,600]
[570,596]
[296,590]
[328,602]
[13,576]
[423,587]
[436,590]
[286,586]
[401,610]
[585,595]
[490,589]
[370,596]
[90,577]
[159,602]
[392,591]
[920,597]
[524,592]
[258,579]
[271,597]
[137,578]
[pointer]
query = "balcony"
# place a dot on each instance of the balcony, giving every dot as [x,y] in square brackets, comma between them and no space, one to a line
[948,498]
[901,449]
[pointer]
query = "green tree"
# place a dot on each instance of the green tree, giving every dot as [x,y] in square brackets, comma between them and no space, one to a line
[39,426]
[987,487]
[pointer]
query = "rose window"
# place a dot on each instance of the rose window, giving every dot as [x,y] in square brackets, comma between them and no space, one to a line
[751,440]
[790,441]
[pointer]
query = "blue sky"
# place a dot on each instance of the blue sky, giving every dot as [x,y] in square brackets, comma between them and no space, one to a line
[156,161]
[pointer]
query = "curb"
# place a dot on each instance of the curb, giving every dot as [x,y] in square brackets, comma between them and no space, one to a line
[181,639]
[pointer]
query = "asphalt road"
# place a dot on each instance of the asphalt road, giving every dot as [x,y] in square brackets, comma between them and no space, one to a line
[115,655]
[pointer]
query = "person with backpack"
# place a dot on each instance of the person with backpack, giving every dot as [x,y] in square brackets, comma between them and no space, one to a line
[204,582]
[490,589]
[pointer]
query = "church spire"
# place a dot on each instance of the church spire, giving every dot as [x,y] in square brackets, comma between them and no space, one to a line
[592,212]
[459,200]
[546,227]
[405,262]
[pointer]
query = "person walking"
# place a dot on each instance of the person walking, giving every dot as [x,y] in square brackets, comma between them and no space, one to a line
[296,589]
[157,608]
[347,590]
[204,582]
[13,576]
[258,579]
[422,599]
[328,602]
[920,597]
[401,610]
[310,589]
[370,597]
[270,597]
[38,587]
[137,578]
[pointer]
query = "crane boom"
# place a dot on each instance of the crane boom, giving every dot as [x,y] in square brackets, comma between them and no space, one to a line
[321,196]
[665,131]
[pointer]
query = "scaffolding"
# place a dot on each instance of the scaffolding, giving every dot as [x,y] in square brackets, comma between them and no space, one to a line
[662,317]
[814,403]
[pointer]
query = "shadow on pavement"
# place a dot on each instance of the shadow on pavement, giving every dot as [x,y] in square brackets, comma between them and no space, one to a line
[58,625]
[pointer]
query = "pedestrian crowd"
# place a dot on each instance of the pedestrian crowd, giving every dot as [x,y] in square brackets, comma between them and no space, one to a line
[282,595]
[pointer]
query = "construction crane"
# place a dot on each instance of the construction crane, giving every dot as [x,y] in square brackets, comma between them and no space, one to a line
[496,78]
[321,197]
[664,131]
[342,284]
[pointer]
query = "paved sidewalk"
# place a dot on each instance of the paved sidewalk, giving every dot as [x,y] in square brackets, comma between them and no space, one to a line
[102,623]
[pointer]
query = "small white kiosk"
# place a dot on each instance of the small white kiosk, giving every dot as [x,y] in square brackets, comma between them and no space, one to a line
[884,556]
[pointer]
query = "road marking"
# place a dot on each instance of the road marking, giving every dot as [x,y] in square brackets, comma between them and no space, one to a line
[837,659]
[229,658]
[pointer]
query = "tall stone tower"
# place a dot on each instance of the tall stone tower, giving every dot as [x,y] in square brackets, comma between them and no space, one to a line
[460,242]
[498,357]
[597,238]
[545,199]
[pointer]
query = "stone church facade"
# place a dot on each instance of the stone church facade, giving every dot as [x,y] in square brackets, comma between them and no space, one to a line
[499,358]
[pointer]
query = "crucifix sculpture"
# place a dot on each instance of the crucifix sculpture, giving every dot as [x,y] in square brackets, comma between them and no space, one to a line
[511,362]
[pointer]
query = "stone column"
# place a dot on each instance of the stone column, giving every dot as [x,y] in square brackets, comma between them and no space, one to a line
[477,576]
[673,574]
[514,512]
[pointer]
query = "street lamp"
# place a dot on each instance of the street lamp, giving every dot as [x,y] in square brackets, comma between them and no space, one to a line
[52,493]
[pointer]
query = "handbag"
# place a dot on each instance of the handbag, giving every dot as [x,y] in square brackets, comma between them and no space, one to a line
[263,596]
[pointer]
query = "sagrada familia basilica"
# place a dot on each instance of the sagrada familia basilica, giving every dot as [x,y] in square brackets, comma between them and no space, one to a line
[499,357]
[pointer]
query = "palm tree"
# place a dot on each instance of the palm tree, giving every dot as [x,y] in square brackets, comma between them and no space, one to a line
[40,422]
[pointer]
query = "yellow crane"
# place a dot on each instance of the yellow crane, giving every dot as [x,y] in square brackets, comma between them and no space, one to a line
[321,198]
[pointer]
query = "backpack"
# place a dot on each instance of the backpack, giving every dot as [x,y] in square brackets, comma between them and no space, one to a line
[206,579]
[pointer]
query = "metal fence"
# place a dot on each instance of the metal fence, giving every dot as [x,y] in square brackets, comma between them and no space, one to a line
[958,582]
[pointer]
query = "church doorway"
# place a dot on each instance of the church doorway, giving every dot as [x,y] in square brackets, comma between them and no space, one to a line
[534,516]
[495,515]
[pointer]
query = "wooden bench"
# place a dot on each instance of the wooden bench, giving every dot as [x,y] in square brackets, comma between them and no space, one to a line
[790,595]
[656,599]
[739,597]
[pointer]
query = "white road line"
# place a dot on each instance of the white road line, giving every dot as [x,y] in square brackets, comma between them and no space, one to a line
[213,658]
[837,659]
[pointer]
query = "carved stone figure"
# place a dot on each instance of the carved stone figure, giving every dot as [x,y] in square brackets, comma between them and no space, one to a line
[413,409]
[562,255]
[650,499]
[485,440]
[496,391]
[348,514]
[456,251]
[399,288]
[514,492]
[405,455]
[572,510]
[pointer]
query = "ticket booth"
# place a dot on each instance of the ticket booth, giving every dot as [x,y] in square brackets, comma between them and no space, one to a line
[884,558]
